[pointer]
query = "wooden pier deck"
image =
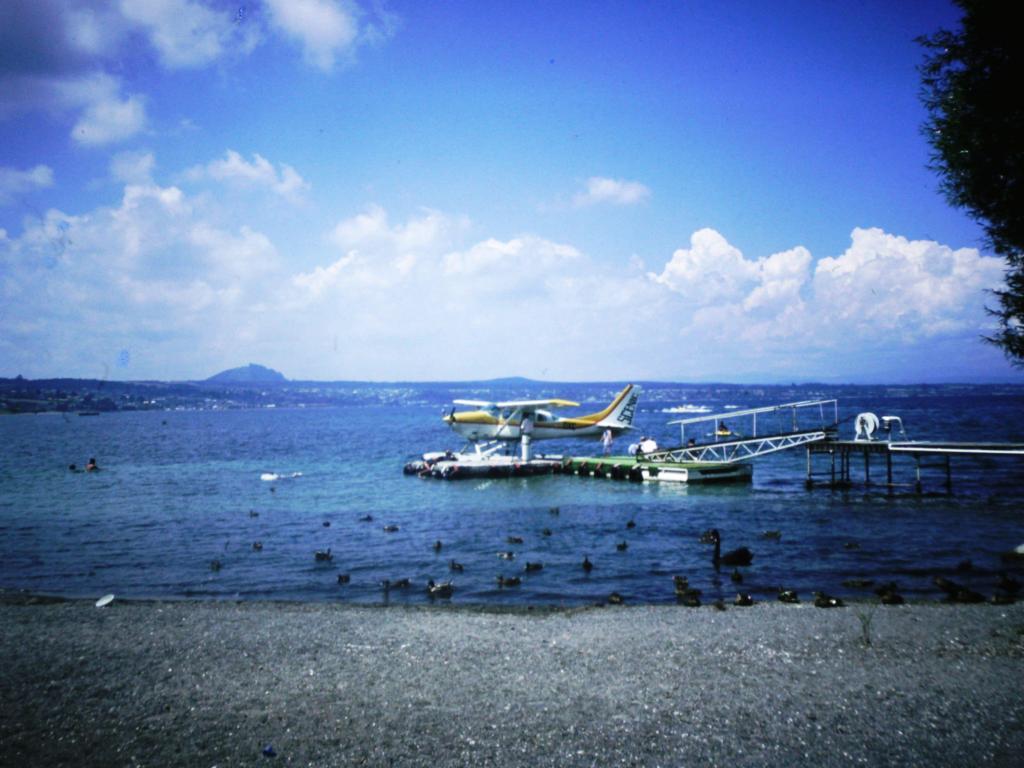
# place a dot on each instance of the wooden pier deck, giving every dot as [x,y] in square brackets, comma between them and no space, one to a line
[926,455]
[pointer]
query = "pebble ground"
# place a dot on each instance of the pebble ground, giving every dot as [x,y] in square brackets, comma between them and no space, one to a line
[215,683]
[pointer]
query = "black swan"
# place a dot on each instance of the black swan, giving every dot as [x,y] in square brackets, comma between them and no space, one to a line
[741,556]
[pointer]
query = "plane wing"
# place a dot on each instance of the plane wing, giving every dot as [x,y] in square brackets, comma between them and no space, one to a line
[556,403]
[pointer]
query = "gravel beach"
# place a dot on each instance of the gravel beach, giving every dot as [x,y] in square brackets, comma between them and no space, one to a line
[215,683]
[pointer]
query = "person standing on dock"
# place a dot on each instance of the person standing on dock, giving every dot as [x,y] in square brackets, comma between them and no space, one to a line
[606,442]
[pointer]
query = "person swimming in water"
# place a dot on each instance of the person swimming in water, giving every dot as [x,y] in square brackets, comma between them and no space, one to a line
[92,466]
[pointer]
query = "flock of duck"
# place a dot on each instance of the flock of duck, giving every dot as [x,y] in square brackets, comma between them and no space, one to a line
[1006,586]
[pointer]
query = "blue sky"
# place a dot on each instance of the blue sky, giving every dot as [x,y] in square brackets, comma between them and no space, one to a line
[339,190]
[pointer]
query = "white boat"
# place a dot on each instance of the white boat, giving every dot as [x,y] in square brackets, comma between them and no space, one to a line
[697,474]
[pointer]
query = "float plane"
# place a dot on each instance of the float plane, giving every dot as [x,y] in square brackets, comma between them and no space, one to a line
[504,421]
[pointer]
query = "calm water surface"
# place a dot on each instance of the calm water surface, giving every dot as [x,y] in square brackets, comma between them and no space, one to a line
[181,489]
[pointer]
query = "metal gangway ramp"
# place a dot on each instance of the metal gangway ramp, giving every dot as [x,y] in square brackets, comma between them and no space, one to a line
[806,421]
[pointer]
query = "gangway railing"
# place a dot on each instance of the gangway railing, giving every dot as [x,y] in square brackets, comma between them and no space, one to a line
[795,411]
[744,447]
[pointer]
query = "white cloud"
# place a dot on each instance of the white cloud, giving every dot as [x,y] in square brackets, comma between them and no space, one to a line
[93,29]
[235,256]
[371,231]
[377,254]
[611,191]
[522,259]
[429,296]
[883,292]
[58,55]
[709,271]
[154,272]
[102,114]
[54,54]
[325,29]
[14,182]
[400,300]
[106,116]
[133,167]
[916,287]
[234,169]
[184,33]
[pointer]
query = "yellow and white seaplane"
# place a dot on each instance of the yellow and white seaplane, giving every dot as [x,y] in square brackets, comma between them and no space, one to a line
[518,419]
[492,426]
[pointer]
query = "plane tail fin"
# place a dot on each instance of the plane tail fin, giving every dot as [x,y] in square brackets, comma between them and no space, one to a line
[622,410]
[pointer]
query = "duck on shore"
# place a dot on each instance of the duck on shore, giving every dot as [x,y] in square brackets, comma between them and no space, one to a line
[685,594]
[690,598]
[889,594]
[1008,584]
[824,600]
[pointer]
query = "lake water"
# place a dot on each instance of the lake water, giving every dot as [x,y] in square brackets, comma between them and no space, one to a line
[180,489]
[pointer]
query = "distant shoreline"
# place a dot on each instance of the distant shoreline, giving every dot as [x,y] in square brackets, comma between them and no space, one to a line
[216,682]
[71,396]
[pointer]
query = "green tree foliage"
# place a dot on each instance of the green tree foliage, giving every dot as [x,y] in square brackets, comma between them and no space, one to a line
[974,92]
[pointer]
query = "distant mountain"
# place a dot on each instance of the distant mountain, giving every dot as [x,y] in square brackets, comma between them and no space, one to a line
[248,374]
[510,380]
